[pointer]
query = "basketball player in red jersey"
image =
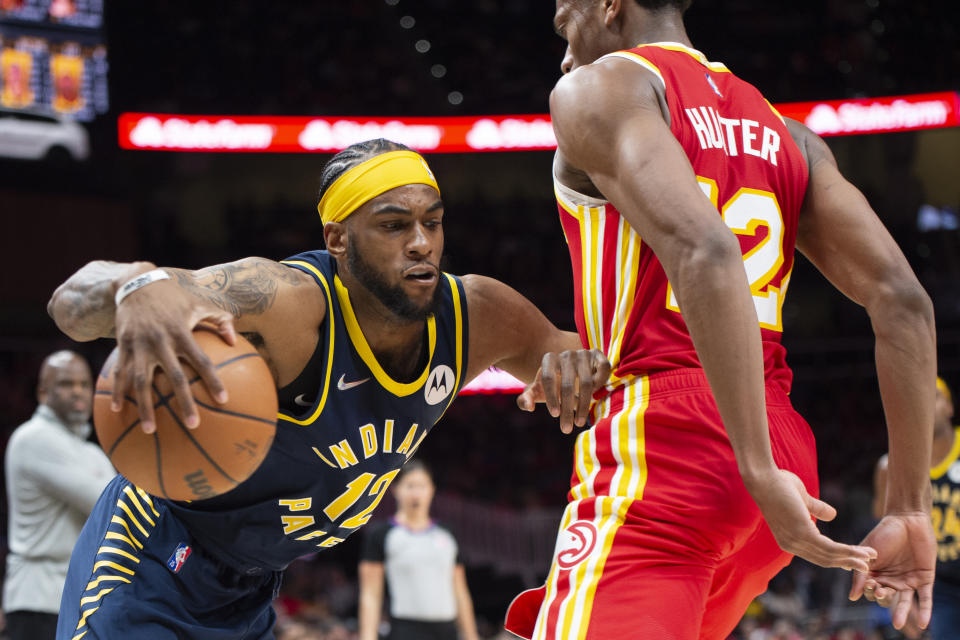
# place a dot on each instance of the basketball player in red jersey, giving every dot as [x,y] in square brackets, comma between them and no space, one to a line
[697,481]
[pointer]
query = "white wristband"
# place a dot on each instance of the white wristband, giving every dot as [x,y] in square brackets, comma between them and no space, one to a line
[139,282]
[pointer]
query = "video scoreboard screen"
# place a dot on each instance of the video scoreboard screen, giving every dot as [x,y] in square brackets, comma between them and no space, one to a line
[87,14]
[52,57]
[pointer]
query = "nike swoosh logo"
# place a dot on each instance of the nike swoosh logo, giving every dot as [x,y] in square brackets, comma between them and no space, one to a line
[343,386]
[303,403]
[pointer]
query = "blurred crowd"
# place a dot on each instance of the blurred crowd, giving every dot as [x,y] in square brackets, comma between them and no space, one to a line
[500,55]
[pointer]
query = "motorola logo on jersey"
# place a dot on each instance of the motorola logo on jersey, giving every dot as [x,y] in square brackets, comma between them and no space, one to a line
[576,543]
[440,384]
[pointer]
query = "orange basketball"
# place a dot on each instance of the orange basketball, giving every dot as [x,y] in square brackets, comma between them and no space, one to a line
[192,464]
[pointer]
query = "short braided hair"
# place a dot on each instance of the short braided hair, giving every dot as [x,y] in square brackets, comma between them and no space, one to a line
[352,156]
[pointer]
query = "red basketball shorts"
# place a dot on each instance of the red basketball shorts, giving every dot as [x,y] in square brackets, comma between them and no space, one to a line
[660,538]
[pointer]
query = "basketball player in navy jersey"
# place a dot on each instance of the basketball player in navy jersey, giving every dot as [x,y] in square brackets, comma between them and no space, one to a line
[368,343]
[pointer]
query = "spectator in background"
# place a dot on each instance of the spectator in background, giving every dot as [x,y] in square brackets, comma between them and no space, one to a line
[429,598]
[54,477]
[945,476]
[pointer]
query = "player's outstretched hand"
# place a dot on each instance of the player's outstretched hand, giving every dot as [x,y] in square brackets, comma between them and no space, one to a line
[566,382]
[907,554]
[787,508]
[154,328]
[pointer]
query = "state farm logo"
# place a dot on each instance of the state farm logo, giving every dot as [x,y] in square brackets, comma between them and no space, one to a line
[178,133]
[330,135]
[511,133]
[576,543]
[853,117]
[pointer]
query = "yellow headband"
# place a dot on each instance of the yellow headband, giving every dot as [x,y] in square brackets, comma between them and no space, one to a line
[369,179]
[943,388]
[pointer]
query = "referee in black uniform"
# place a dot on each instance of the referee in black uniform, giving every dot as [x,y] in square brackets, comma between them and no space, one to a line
[420,563]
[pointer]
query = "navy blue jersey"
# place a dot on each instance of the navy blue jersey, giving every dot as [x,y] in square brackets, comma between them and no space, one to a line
[344,430]
[946,513]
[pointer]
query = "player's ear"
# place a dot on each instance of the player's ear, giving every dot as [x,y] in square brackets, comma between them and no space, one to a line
[335,237]
[611,11]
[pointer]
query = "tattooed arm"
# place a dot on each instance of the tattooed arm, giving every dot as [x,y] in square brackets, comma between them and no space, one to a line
[275,305]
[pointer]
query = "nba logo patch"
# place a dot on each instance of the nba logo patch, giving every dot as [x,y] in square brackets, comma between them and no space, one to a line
[713,85]
[179,556]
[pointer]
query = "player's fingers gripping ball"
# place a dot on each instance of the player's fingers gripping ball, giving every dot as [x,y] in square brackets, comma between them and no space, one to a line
[192,464]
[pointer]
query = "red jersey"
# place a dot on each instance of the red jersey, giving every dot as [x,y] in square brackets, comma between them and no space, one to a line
[751,170]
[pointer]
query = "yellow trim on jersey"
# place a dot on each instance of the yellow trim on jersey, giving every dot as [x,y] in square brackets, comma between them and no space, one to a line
[108,559]
[627,484]
[629,269]
[613,512]
[96,596]
[944,388]
[458,321]
[96,583]
[775,112]
[136,502]
[118,552]
[693,53]
[596,219]
[326,381]
[567,206]
[643,62]
[551,584]
[126,510]
[937,472]
[146,498]
[366,353]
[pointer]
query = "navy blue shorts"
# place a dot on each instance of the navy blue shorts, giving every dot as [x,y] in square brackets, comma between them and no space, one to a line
[136,572]
[945,623]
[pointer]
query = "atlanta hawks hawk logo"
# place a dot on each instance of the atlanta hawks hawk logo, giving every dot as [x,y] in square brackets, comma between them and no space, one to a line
[439,384]
[576,543]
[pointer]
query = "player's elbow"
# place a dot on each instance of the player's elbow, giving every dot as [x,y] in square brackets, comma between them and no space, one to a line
[710,250]
[901,301]
[58,310]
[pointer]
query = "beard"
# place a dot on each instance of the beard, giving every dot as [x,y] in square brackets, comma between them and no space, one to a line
[393,297]
[76,417]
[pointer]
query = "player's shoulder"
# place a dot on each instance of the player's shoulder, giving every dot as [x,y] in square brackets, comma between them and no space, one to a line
[316,265]
[485,297]
[603,86]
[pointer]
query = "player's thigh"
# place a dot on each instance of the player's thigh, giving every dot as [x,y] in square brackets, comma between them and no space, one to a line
[614,576]
[137,573]
[739,579]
